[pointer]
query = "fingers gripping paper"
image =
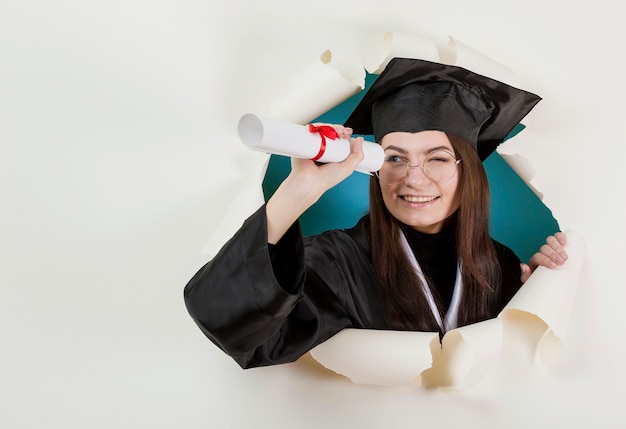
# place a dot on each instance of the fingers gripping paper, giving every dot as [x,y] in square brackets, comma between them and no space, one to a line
[540,312]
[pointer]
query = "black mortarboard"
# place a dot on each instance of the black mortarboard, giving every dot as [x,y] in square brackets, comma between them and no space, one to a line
[415,95]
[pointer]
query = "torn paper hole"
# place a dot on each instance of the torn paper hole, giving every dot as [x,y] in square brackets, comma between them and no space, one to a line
[411,358]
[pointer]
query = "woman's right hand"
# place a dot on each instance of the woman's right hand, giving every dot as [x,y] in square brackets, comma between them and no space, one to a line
[306,183]
[316,178]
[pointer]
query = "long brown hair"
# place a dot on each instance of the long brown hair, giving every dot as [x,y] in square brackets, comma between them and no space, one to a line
[404,304]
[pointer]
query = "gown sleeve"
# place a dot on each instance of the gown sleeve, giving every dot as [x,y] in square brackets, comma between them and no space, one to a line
[260,305]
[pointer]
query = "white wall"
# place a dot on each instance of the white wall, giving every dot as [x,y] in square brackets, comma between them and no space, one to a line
[116,119]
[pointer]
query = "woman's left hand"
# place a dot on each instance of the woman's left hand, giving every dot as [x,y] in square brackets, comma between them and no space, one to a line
[550,255]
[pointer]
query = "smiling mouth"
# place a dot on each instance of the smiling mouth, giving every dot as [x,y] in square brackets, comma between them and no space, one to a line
[412,199]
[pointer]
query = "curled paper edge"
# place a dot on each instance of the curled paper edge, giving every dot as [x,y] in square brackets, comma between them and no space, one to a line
[477,62]
[530,338]
[547,285]
[393,351]
[406,45]
[524,169]
[464,356]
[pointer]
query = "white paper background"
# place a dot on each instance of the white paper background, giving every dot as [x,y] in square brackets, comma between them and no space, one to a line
[116,122]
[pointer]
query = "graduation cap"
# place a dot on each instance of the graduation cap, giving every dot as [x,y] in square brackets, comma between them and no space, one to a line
[413,95]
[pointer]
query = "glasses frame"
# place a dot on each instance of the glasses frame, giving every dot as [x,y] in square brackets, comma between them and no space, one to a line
[408,169]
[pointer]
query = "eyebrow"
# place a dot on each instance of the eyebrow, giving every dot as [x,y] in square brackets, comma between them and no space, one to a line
[431,150]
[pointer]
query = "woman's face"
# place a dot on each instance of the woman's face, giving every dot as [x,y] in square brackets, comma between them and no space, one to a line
[417,200]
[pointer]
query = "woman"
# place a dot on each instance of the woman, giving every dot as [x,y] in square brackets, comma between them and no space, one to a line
[422,259]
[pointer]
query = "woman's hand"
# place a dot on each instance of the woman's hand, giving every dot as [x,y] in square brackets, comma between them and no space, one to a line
[306,183]
[314,178]
[550,255]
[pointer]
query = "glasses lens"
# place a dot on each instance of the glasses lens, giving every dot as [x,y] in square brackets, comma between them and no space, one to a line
[440,166]
[393,171]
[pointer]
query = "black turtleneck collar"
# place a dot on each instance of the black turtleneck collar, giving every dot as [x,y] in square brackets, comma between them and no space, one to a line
[436,254]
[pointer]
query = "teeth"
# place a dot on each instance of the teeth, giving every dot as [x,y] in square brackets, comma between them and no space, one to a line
[411,199]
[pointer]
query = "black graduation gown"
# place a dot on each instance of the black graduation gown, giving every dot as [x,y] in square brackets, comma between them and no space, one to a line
[265,307]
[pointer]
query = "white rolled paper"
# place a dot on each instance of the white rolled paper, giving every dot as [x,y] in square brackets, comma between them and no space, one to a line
[294,140]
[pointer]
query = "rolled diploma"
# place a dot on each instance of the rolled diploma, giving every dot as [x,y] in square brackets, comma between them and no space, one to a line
[294,140]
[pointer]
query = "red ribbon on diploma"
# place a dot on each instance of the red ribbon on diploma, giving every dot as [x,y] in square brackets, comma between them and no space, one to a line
[324,131]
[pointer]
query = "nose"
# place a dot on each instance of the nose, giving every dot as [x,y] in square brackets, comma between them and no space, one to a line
[415,175]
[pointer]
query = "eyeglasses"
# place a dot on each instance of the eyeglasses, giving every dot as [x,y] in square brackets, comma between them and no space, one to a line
[438,166]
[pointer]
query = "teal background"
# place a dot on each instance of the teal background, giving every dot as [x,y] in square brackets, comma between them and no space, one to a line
[518,218]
